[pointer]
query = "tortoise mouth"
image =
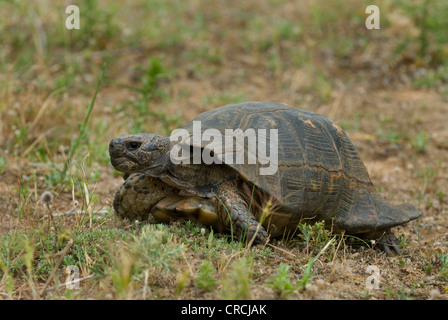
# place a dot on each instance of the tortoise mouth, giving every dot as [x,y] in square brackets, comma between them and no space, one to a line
[122,164]
[129,165]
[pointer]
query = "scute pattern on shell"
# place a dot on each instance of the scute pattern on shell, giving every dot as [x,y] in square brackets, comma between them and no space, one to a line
[320,174]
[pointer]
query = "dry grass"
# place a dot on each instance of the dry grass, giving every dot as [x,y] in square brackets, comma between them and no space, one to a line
[385,87]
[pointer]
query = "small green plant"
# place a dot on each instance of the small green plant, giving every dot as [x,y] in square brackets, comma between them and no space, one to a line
[420,141]
[427,266]
[83,127]
[11,250]
[122,274]
[402,294]
[309,266]
[315,235]
[23,203]
[443,259]
[365,294]
[152,74]
[390,135]
[182,282]
[204,279]
[28,259]
[282,282]
[2,165]
[441,195]
[152,252]
[149,90]
[324,86]
[236,285]
[430,78]
[156,248]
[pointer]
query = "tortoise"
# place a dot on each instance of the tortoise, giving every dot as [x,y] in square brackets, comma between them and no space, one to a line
[320,177]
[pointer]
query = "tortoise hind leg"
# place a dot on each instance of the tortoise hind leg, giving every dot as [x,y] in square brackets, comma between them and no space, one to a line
[385,241]
[233,212]
[388,241]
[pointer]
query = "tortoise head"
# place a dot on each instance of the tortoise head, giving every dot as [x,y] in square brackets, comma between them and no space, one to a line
[143,152]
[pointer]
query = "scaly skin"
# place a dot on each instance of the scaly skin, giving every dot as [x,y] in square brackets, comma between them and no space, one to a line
[139,194]
[234,213]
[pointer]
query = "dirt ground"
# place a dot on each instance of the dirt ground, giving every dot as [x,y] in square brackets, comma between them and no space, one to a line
[402,175]
[400,131]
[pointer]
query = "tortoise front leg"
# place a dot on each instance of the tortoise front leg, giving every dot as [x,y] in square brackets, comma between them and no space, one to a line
[234,213]
[138,195]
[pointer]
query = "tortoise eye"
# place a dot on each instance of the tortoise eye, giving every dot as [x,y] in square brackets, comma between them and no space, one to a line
[134,145]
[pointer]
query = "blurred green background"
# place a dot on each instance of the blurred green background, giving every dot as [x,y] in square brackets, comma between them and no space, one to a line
[194,55]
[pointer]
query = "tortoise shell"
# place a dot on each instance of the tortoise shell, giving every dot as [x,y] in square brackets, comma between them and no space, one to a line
[320,175]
